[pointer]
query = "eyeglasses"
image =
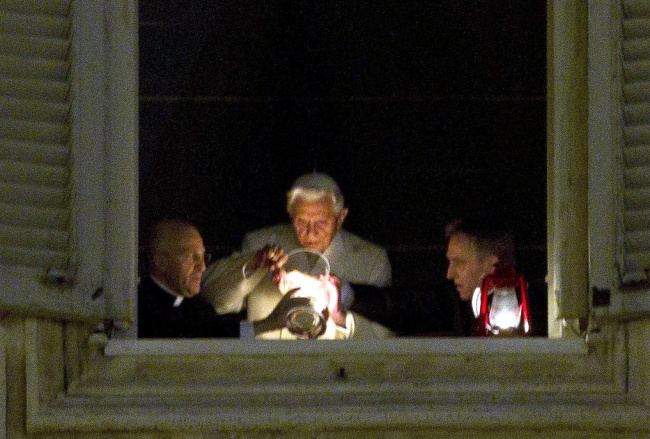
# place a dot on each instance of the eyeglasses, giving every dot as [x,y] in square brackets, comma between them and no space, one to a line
[316,227]
[195,258]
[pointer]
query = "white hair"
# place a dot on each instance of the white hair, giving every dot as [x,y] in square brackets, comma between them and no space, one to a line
[313,187]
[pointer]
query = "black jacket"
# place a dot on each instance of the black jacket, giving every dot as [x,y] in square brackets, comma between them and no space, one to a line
[430,312]
[193,318]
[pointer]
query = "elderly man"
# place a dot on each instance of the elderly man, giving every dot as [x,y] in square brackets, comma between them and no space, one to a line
[168,301]
[317,210]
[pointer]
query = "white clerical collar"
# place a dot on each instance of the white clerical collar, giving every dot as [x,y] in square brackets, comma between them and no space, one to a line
[166,289]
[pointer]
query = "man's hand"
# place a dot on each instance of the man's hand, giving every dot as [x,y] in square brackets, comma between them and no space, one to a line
[333,286]
[271,257]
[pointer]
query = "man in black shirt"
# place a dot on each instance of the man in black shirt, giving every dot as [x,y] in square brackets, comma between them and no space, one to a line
[168,301]
[474,247]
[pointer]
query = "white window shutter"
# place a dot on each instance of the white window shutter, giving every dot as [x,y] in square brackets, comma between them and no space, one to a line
[53,158]
[636,140]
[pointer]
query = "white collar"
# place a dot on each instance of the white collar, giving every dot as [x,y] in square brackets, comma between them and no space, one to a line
[166,289]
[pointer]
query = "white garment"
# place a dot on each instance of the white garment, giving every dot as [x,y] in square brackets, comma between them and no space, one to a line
[352,259]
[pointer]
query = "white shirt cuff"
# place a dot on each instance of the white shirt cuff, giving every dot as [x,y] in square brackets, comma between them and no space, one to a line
[348,331]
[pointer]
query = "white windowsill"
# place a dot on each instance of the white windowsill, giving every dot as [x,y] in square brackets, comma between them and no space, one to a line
[401,346]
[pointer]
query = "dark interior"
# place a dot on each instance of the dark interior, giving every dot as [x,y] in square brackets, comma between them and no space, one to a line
[419,109]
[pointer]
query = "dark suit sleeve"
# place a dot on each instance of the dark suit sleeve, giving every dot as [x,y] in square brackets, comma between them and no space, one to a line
[194,318]
[411,312]
[227,325]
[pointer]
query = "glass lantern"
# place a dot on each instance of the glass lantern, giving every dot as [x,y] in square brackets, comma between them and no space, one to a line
[503,309]
[309,275]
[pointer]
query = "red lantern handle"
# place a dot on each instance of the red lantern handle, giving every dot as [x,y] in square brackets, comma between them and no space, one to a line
[523,289]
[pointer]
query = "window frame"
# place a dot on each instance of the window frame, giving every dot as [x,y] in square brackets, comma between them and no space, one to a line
[450,383]
[571,154]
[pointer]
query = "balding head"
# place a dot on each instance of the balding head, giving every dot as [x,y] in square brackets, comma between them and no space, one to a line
[177,256]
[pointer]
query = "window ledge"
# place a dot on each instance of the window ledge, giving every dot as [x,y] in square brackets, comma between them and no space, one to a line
[629,303]
[397,346]
[235,385]
[437,364]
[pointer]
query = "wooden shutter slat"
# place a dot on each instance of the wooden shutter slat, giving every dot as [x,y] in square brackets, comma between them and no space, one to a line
[34,216]
[34,152]
[637,199]
[40,175]
[637,177]
[27,131]
[33,238]
[636,27]
[34,47]
[638,114]
[43,25]
[636,135]
[49,7]
[635,71]
[34,110]
[33,68]
[33,258]
[35,89]
[33,195]
[638,91]
[637,49]
[637,219]
[636,8]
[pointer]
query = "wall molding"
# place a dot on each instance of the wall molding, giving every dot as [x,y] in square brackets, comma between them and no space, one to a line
[573,387]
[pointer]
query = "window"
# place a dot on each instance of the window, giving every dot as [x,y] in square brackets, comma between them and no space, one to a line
[398,384]
[391,101]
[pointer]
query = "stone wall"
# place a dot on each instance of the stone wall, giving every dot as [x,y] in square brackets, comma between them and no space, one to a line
[60,385]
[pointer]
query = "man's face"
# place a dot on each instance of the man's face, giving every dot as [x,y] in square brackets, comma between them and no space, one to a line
[315,222]
[183,263]
[467,267]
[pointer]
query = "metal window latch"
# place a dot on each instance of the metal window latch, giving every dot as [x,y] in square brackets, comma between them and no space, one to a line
[600,296]
[97,294]
[57,277]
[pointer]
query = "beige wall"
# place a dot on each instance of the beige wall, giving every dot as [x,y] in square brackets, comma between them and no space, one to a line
[59,382]
[59,386]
